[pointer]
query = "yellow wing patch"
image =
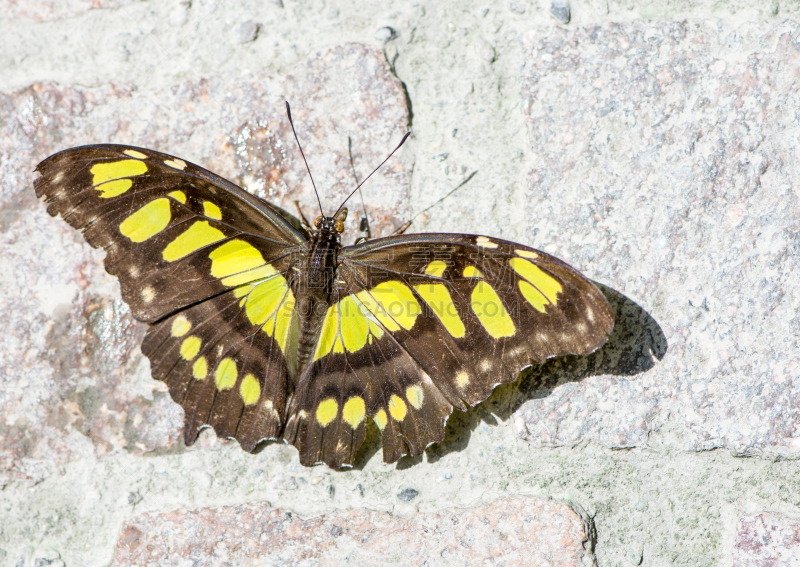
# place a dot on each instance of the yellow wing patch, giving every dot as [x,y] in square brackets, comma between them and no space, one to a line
[326,411]
[354,411]
[491,312]
[380,419]
[179,196]
[354,321]
[200,368]
[190,347]
[269,304]
[226,373]
[238,262]
[472,272]
[250,390]
[147,221]
[392,303]
[197,236]
[533,296]
[441,303]
[436,268]
[438,298]
[397,407]
[211,210]
[112,178]
[346,327]
[540,289]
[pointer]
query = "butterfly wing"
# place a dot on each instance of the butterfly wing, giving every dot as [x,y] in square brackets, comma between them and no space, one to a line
[423,323]
[205,263]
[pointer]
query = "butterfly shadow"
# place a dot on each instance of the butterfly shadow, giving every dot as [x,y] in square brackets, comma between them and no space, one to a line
[636,344]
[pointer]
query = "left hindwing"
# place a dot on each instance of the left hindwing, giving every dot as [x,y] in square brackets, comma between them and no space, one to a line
[422,323]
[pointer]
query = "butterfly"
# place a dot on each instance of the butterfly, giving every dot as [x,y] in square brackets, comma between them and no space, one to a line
[266,330]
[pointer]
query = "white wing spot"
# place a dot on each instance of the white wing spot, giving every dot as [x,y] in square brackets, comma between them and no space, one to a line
[148,294]
[485,365]
[527,254]
[484,242]
[176,163]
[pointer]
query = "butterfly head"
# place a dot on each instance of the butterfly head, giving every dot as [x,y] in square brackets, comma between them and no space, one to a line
[331,226]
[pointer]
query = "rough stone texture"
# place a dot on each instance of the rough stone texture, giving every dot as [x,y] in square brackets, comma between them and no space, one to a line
[766,540]
[653,168]
[68,362]
[511,532]
[686,135]
[44,10]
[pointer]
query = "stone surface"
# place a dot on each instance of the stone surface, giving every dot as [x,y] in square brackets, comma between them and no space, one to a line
[73,380]
[584,141]
[685,134]
[43,10]
[511,532]
[559,9]
[768,539]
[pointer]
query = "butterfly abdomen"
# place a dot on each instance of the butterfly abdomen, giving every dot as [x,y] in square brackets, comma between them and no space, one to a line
[313,293]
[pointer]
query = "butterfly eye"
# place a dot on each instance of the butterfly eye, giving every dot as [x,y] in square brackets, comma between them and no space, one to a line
[339,226]
[317,222]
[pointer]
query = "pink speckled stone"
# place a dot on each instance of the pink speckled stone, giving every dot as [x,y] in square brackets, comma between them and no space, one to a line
[511,532]
[767,540]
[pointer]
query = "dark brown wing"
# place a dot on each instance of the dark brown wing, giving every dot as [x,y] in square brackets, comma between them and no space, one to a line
[205,263]
[420,324]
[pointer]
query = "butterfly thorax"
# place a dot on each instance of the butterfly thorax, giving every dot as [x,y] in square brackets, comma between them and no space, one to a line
[313,286]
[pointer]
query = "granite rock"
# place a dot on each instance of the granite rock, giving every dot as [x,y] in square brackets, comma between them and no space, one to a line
[766,539]
[515,531]
[668,151]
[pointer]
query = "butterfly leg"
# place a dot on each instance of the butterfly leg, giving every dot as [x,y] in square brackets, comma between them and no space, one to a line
[397,232]
[363,224]
[303,219]
[404,227]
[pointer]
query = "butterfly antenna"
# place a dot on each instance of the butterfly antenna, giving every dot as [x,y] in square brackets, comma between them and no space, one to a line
[373,171]
[365,219]
[289,114]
